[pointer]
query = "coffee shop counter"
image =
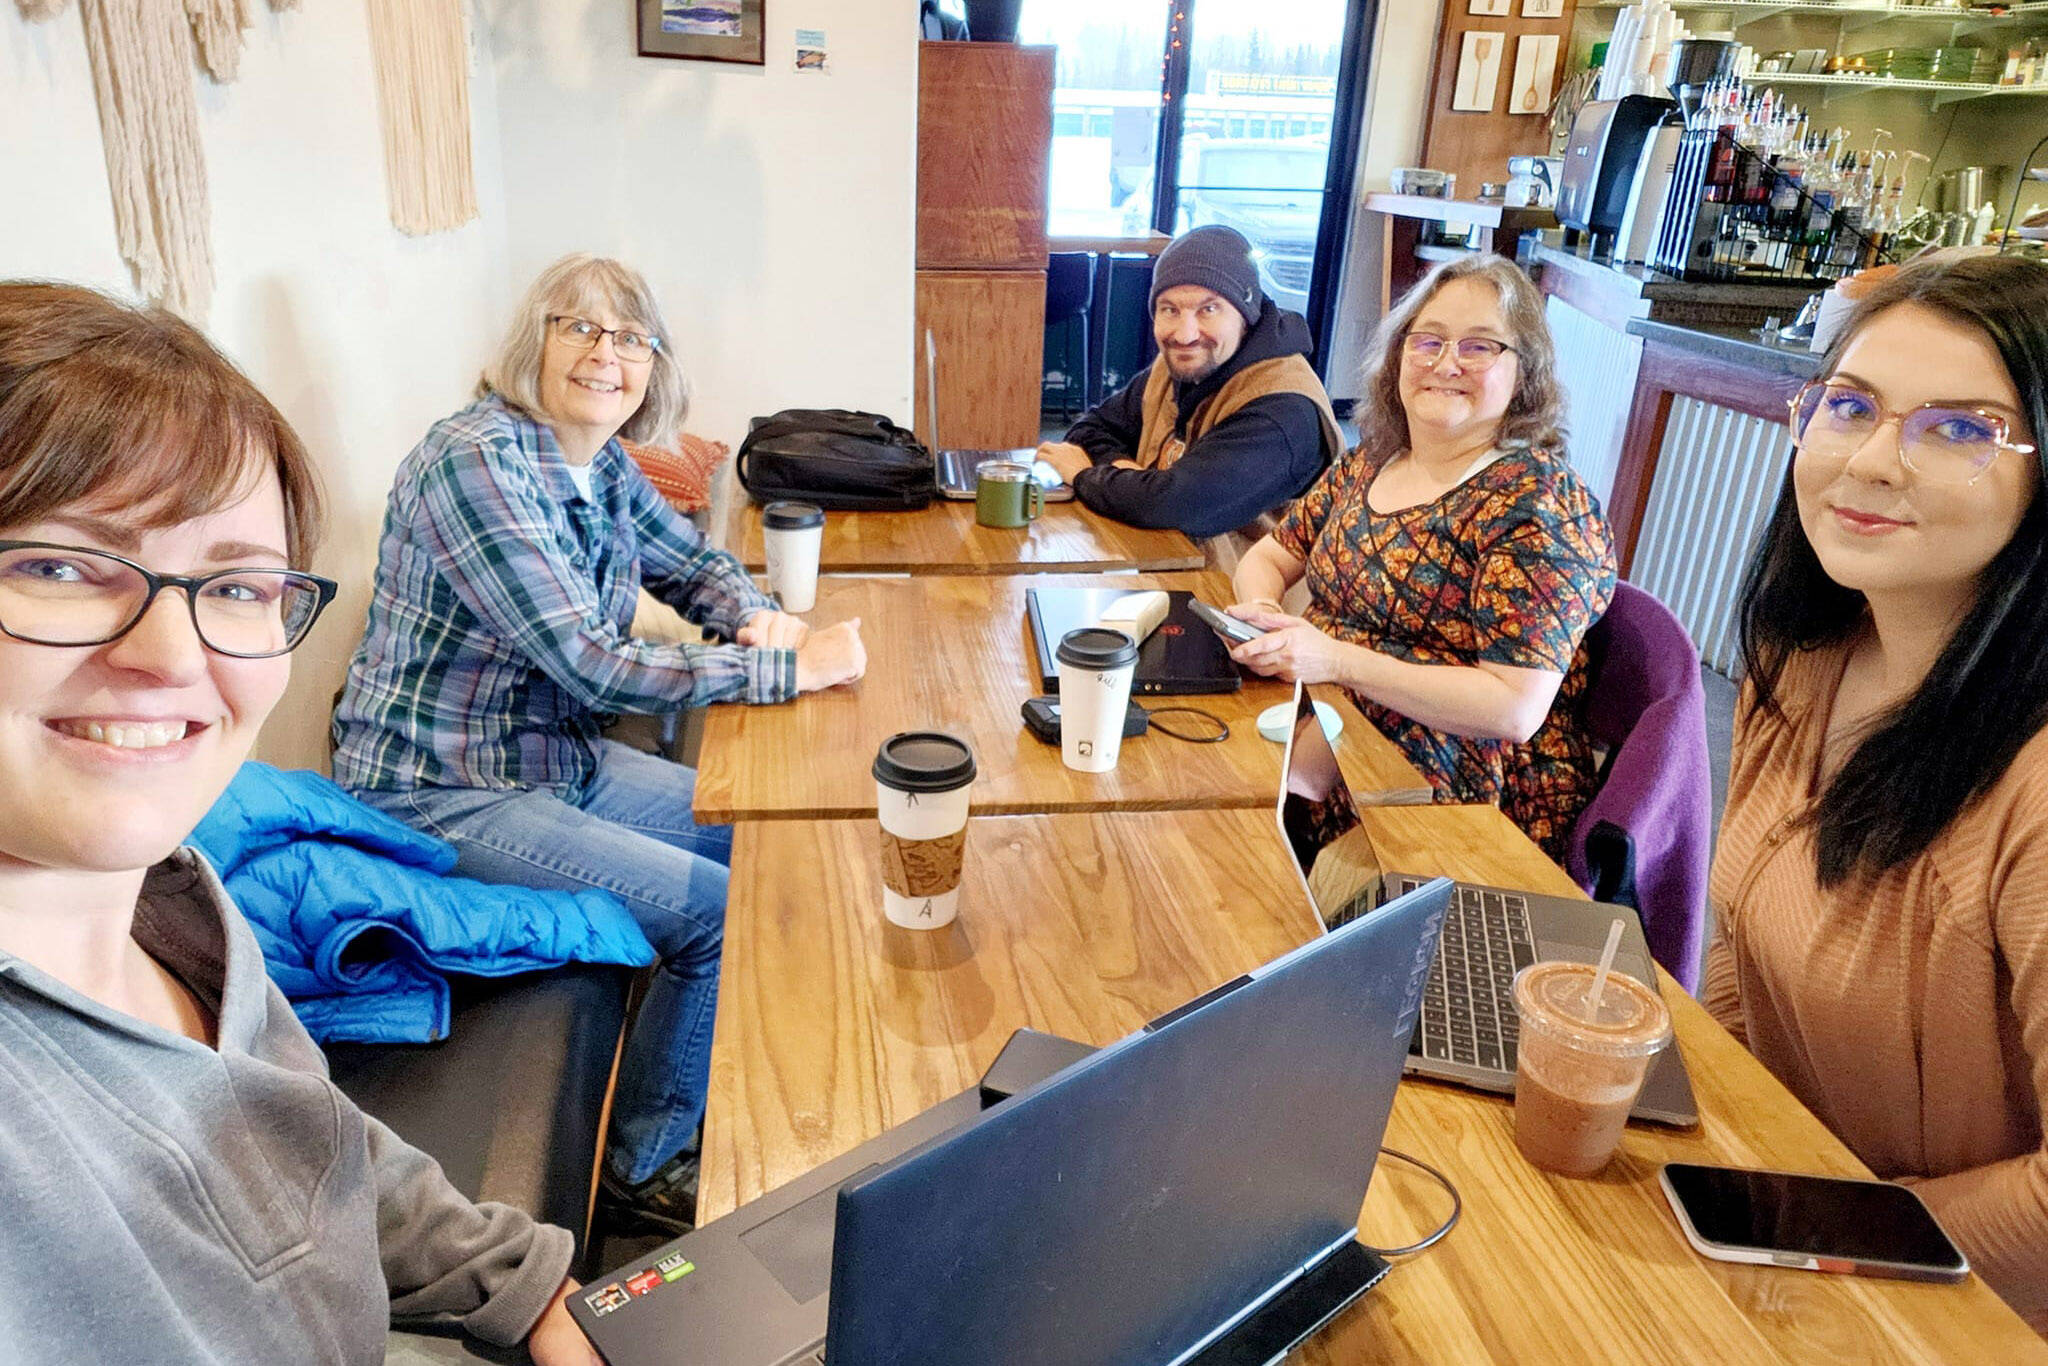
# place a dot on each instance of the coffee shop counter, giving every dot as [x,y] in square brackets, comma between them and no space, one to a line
[1407,220]
[1677,421]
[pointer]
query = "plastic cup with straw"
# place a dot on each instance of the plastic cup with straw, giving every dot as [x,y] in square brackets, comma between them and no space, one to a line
[1586,1039]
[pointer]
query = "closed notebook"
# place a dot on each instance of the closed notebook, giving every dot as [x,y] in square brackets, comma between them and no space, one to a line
[1182,656]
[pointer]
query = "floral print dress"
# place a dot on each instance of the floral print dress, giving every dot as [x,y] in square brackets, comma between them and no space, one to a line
[1509,567]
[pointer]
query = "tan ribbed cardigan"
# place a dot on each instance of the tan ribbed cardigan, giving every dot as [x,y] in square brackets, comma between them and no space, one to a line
[1910,1014]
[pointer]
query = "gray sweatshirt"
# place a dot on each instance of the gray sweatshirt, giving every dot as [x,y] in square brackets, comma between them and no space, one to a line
[169,1202]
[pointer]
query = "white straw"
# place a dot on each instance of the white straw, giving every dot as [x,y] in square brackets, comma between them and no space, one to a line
[1599,987]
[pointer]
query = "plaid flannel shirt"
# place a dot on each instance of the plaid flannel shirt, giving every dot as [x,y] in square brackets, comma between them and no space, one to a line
[497,638]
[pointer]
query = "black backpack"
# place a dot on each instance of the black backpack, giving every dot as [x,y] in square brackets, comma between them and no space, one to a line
[840,460]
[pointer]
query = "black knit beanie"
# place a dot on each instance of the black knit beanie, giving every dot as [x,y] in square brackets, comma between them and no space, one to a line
[1216,258]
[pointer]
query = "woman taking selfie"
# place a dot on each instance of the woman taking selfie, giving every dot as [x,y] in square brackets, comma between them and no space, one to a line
[1881,881]
[183,1183]
[1454,560]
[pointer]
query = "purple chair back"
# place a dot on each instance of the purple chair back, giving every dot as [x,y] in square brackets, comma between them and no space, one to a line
[1644,838]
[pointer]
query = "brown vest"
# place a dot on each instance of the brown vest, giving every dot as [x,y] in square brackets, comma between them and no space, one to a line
[1158,447]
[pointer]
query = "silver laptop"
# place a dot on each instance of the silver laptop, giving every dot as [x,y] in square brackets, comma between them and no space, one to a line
[956,470]
[1468,1030]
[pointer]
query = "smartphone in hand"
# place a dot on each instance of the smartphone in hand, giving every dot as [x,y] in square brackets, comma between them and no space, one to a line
[1223,624]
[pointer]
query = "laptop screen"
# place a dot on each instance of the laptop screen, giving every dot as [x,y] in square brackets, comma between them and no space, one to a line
[1320,821]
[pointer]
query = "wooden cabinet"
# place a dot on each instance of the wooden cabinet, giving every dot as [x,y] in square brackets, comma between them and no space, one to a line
[984,149]
[989,329]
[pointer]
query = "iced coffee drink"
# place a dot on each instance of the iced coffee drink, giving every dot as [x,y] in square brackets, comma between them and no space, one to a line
[1580,1062]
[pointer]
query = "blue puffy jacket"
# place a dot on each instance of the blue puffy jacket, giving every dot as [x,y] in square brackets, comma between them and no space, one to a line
[359,921]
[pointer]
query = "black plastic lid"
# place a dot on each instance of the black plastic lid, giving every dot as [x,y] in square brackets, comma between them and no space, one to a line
[924,761]
[1097,647]
[792,516]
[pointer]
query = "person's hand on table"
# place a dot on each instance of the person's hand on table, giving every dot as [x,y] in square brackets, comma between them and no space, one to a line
[555,1339]
[769,629]
[1291,650]
[1065,457]
[830,657]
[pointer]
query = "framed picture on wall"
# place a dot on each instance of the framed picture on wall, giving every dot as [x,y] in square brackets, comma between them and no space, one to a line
[1495,9]
[704,30]
[1478,71]
[1543,9]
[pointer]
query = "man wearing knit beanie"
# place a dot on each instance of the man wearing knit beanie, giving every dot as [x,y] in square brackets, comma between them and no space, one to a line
[1228,424]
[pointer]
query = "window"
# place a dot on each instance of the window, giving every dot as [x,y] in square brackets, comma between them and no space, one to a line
[1106,109]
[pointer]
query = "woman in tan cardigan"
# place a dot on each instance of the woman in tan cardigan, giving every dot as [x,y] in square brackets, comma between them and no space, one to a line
[1882,875]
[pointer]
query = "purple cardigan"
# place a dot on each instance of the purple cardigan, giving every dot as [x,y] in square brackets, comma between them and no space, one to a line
[1644,838]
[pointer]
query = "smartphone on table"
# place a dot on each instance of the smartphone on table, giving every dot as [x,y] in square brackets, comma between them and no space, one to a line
[1813,1223]
[1223,624]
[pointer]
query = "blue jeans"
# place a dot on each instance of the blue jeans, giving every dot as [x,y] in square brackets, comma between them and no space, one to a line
[629,833]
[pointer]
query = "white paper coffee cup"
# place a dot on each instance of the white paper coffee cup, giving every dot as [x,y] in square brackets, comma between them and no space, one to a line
[922,782]
[1095,667]
[792,533]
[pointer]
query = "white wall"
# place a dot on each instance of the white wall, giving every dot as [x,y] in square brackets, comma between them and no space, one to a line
[1396,102]
[773,212]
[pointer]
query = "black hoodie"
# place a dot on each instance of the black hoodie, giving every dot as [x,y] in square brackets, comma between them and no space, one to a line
[1262,455]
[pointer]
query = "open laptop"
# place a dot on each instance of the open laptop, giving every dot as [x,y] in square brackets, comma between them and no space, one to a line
[1468,1029]
[1181,656]
[1186,1196]
[956,469]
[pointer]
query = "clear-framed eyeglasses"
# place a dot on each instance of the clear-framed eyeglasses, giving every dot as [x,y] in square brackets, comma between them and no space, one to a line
[584,335]
[1426,350]
[70,596]
[1943,442]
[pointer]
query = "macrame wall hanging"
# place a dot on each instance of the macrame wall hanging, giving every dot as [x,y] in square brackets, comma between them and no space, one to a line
[142,52]
[421,57]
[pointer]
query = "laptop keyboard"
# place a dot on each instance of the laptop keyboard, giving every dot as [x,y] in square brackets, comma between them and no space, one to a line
[1468,1008]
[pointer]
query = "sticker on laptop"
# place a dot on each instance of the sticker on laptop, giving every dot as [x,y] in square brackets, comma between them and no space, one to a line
[644,1282]
[675,1266]
[605,1300]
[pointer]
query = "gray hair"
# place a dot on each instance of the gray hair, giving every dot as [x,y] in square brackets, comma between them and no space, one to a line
[582,283]
[1535,416]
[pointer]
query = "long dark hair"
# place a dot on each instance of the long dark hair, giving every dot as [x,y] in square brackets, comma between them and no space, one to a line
[1987,694]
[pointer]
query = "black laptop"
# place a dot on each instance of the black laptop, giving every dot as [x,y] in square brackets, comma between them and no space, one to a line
[1188,1194]
[1468,1030]
[1182,656]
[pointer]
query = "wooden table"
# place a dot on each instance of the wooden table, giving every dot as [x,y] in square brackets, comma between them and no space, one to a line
[955,654]
[945,539]
[833,1026]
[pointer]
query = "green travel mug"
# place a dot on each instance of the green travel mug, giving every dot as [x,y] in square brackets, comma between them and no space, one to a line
[1006,494]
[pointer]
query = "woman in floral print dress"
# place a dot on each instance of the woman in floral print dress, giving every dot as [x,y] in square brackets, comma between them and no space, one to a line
[1454,559]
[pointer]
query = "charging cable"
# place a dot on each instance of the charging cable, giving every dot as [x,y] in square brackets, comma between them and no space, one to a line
[1443,1229]
[1215,737]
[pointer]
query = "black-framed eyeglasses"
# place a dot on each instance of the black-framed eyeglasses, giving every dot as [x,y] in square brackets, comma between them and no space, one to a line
[66,595]
[1427,349]
[1945,442]
[583,334]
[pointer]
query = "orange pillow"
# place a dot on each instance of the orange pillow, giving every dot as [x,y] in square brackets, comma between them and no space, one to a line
[683,475]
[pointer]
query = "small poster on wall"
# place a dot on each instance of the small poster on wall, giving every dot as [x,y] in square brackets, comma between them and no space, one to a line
[811,52]
[703,30]
[1492,9]
[1535,67]
[1543,9]
[1478,71]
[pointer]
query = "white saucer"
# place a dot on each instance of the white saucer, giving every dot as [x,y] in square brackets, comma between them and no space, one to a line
[1277,720]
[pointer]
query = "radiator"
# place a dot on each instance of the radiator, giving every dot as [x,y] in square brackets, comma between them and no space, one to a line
[1715,485]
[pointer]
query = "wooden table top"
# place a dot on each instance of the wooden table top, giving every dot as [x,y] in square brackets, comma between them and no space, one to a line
[833,1025]
[945,539]
[955,654]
